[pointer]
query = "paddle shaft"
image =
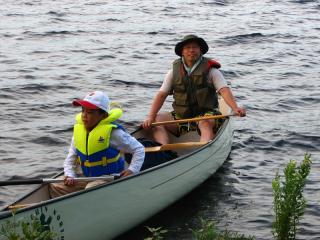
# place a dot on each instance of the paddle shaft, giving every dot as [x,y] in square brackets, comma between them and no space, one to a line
[197,119]
[55,180]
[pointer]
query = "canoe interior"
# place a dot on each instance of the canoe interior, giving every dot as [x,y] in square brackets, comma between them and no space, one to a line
[41,194]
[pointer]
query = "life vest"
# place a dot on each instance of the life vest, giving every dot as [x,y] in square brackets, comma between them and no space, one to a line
[93,151]
[193,95]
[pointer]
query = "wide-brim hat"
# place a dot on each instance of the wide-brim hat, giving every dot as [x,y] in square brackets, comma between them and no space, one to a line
[191,38]
[94,100]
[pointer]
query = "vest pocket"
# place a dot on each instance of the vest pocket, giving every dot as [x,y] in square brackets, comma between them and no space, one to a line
[182,112]
[204,99]
[180,98]
[199,81]
[179,86]
[180,104]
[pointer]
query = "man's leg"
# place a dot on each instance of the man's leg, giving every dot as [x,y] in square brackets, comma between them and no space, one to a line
[206,128]
[161,133]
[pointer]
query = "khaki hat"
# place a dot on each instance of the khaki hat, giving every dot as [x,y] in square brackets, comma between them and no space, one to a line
[191,38]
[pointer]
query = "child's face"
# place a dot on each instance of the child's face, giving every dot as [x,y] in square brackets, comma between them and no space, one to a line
[91,117]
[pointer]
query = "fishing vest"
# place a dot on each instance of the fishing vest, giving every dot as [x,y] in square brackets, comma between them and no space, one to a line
[193,95]
[94,154]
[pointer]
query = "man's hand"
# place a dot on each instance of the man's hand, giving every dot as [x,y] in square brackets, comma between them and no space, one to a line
[147,123]
[239,111]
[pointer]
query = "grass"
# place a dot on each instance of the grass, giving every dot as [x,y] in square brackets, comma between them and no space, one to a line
[208,231]
[25,229]
[157,233]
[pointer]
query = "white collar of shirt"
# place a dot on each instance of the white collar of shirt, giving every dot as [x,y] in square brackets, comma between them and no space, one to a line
[190,70]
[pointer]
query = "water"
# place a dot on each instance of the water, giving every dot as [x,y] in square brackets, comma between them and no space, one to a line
[52,52]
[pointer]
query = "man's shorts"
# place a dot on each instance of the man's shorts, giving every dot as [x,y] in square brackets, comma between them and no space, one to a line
[193,126]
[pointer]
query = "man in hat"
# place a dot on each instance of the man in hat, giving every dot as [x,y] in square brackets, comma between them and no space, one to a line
[96,144]
[194,81]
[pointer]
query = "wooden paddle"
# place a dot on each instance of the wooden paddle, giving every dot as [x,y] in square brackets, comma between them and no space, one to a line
[173,146]
[55,180]
[197,119]
[21,205]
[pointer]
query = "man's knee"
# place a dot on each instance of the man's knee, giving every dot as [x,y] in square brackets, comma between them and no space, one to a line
[164,116]
[207,124]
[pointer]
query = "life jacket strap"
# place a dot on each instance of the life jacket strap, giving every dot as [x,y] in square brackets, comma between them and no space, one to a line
[103,162]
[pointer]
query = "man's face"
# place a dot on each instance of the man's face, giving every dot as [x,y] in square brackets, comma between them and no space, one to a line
[91,117]
[191,52]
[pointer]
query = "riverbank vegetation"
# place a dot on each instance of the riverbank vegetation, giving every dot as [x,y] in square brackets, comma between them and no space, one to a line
[23,229]
[288,204]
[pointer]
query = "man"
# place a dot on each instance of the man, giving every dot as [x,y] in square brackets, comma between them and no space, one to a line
[96,145]
[194,82]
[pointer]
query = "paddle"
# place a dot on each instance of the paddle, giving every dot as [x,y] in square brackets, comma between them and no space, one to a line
[174,146]
[55,180]
[197,119]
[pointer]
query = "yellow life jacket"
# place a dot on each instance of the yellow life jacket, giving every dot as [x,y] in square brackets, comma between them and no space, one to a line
[94,153]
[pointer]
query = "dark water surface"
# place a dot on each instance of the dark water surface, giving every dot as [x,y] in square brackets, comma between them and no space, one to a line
[54,51]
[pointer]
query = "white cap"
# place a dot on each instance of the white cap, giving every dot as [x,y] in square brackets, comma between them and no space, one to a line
[94,100]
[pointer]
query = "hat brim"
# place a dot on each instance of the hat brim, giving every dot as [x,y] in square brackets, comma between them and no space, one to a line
[85,104]
[200,41]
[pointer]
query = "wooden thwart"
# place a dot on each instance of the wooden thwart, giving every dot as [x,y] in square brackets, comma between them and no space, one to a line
[197,119]
[174,146]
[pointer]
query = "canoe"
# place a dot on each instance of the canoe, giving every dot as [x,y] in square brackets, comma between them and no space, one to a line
[107,210]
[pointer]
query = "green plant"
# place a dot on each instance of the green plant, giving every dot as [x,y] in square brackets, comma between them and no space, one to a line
[156,233]
[25,230]
[208,231]
[289,203]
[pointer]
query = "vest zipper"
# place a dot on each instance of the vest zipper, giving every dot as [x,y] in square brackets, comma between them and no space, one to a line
[87,154]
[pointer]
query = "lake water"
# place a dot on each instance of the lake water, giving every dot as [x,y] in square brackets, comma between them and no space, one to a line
[54,51]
